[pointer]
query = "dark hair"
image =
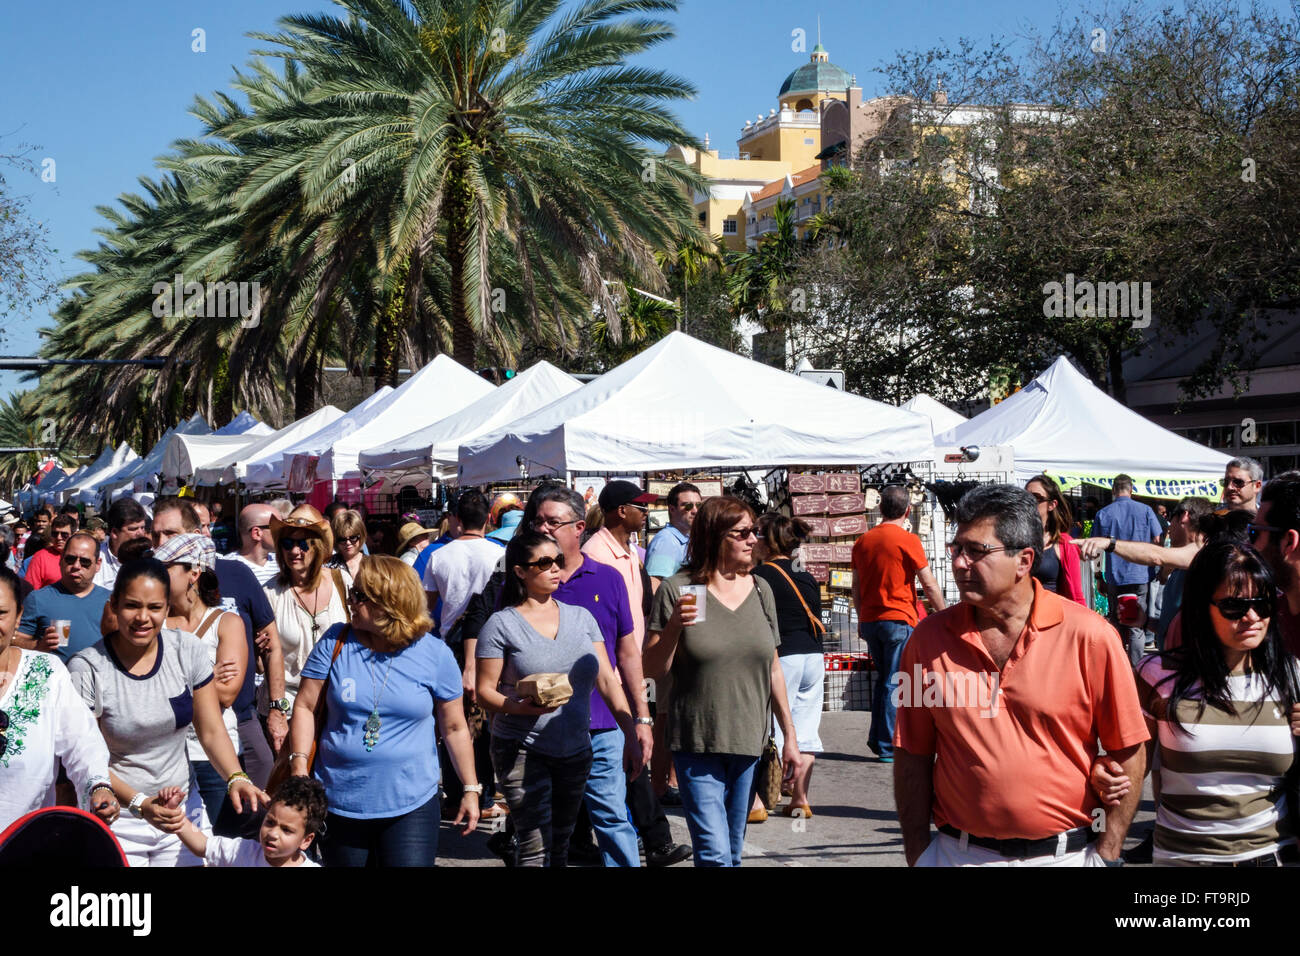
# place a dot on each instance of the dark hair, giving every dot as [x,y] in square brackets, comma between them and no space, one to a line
[134,550]
[1121,483]
[675,492]
[307,795]
[34,544]
[209,588]
[63,521]
[781,534]
[124,511]
[1225,526]
[1015,513]
[894,502]
[141,568]
[1195,509]
[472,509]
[1199,661]
[15,583]
[1059,519]
[1282,495]
[715,517]
[521,549]
[553,491]
[189,517]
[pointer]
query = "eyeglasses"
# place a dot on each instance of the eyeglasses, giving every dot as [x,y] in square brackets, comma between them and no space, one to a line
[1235,608]
[641,508]
[1041,499]
[295,544]
[358,596]
[1253,530]
[688,505]
[351,539]
[973,551]
[544,563]
[540,523]
[740,534]
[71,559]
[60,534]
[1236,482]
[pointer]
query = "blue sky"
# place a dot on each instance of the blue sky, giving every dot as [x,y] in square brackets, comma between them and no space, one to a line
[103,87]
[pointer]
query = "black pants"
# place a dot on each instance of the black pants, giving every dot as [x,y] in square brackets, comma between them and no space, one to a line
[647,815]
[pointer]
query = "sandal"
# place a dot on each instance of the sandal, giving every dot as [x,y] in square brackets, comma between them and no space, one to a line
[758,816]
[797,810]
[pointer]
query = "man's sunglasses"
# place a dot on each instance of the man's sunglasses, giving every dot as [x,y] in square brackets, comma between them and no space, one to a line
[71,559]
[1235,608]
[688,505]
[1236,482]
[296,544]
[1253,530]
[544,562]
[540,523]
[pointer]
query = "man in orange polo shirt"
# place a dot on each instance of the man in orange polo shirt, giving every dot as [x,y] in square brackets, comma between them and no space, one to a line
[887,561]
[1002,700]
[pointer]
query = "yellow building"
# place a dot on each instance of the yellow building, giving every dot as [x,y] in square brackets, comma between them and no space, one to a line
[777,148]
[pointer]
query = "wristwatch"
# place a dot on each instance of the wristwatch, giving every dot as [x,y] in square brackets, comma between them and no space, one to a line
[648,721]
[136,805]
[1110,548]
[1118,861]
[282,705]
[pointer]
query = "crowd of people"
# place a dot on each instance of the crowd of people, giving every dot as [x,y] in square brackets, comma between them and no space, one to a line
[333,689]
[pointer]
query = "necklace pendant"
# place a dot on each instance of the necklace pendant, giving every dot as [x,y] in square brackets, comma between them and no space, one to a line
[371,736]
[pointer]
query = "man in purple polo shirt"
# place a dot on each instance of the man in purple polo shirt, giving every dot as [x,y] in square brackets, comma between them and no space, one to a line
[556,510]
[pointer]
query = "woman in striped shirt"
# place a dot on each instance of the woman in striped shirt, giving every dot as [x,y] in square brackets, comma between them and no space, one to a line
[1219,707]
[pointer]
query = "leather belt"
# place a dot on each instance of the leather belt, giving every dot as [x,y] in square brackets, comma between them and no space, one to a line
[1075,840]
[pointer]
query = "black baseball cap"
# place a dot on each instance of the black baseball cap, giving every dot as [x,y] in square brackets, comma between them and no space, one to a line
[618,493]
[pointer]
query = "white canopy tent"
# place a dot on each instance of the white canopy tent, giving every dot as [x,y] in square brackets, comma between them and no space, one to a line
[1062,425]
[139,473]
[53,482]
[244,424]
[185,454]
[271,468]
[231,467]
[684,404]
[942,418]
[83,492]
[435,448]
[441,388]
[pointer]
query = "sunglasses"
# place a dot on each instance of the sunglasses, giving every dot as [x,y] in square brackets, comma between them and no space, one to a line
[71,559]
[1236,482]
[540,523]
[1235,608]
[544,563]
[688,505]
[973,551]
[358,596]
[295,544]
[351,539]
[1253,530]
[740,534]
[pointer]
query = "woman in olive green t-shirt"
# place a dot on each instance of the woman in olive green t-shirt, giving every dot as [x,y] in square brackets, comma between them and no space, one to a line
[726,674]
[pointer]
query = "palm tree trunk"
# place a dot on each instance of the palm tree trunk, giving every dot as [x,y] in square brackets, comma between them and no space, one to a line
[463,339]
[223,398]
[304,385]
[389,330]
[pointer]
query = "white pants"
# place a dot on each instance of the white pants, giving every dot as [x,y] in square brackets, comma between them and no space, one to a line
[145,845]
[945,850]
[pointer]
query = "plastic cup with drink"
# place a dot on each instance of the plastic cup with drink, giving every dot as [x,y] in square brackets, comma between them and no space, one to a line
[696,595]
[63,628]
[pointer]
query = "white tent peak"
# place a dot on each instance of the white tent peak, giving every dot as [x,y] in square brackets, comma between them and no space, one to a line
[941,416]
[685,404]
[1062,425]
[244,424]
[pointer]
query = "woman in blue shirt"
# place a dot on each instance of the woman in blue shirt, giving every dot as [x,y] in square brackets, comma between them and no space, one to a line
[390,689]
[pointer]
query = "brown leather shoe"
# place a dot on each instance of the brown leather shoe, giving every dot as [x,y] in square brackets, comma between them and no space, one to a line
[758,816]
[797,810]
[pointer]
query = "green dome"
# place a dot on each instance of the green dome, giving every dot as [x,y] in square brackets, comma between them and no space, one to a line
[815,76]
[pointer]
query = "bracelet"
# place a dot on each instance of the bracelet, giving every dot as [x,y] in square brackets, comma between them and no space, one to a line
[294,755]
[100,786]
[235,777]
[473,788]
[648,721]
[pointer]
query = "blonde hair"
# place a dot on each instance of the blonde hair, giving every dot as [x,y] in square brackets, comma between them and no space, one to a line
[320,545]
[396,597]
[346,523]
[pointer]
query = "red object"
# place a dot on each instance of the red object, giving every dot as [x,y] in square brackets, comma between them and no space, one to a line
[1071,572]
[60,836]
[809,504]
[843,483]
[1129,613]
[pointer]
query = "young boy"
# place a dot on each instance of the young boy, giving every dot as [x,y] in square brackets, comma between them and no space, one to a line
[293,820]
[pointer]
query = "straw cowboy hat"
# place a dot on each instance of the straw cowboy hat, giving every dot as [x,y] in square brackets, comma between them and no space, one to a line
[303,518]
[410,532]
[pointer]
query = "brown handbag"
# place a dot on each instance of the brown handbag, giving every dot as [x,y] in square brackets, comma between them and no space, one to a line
[768,774]
[280,770]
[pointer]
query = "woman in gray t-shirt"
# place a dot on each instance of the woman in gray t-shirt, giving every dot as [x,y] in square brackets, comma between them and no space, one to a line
[542,755]
[145,684]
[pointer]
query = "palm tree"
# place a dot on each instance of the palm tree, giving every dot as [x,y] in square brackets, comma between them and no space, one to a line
[433,126]
[643,320]
[760,277]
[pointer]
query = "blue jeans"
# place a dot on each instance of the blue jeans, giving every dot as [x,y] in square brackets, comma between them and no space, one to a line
[716,790]
[606,800]
[885,640]
[408,840]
